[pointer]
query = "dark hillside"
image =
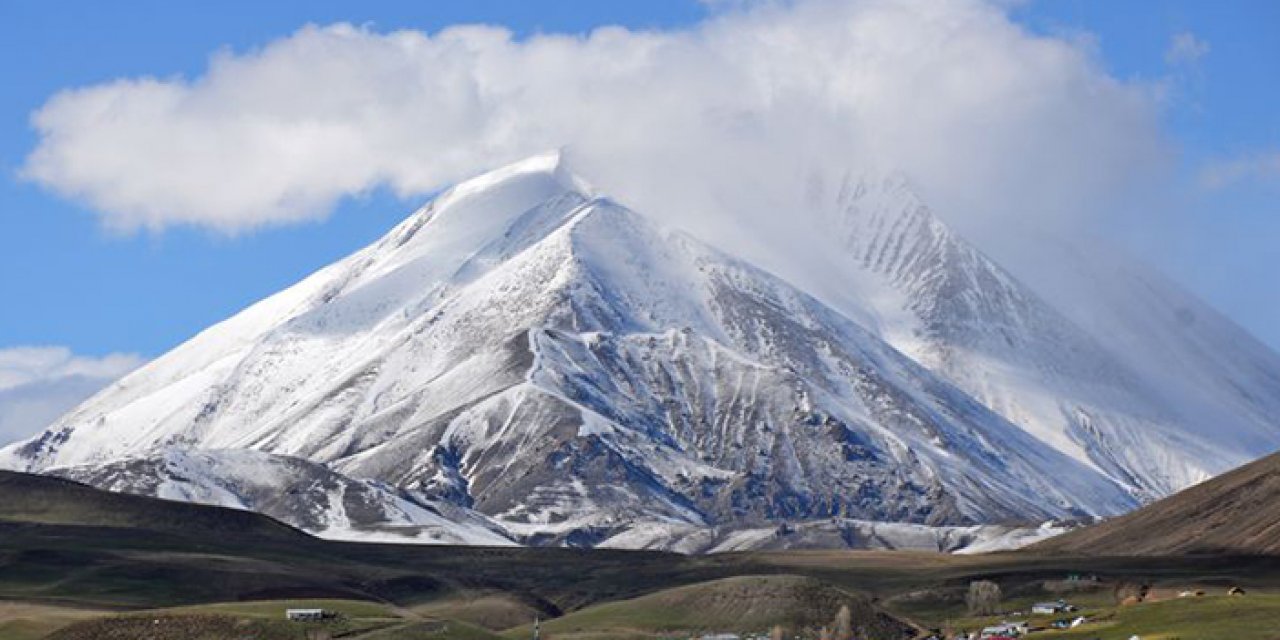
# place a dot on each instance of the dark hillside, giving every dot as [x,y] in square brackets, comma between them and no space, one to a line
[46,500]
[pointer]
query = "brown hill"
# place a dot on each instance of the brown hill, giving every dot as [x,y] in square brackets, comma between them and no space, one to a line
[44,500]
[1235,513]
[743,604]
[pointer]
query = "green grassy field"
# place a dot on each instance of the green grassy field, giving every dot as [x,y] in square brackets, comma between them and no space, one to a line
[354,609]
[434,630]
[29,621]
[262,620]
[1251,617]
[501,588]
[1254,617]
[742,604]
[259,620]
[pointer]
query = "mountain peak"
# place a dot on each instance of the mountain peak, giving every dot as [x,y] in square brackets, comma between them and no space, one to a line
[549,165]
[478,210]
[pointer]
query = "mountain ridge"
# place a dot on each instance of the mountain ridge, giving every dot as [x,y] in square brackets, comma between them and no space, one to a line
[524,350]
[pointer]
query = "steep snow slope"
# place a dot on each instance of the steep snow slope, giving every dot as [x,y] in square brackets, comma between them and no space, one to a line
[1203,364]
[525,349]
[1112,395]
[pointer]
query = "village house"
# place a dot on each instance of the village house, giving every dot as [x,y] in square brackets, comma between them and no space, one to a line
[304,615]
[721,636]
[1004,631]
[1051,608]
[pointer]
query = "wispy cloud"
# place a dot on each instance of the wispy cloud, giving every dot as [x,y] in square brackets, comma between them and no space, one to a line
[1254,167]
[1185,48]
[39,384]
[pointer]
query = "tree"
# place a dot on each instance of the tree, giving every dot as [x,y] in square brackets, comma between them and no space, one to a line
[778,633]
[1131,592]
[842,628]
[983,598]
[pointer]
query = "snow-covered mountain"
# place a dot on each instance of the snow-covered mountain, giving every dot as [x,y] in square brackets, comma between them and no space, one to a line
[525,360]
[1118,382]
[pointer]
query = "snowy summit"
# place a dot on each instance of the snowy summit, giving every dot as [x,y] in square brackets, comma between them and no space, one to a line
[525,361]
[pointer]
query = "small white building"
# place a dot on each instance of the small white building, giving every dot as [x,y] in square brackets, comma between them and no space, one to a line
[304,615]
[1005,630]
[1051,608]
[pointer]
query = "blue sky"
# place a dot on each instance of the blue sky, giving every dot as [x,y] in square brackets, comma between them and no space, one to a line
[71,281]
[1222,243]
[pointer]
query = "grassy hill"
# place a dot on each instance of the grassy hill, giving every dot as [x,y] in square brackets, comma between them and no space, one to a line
[62,541]
[1235,513]
[494,610]
[1165,617]
[1253,617]
[742,604]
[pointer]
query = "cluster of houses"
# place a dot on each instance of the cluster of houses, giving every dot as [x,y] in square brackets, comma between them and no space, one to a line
[1020,629]
[1005,631]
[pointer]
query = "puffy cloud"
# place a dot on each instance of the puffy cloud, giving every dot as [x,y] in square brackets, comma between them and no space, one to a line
[1185,48]
[1255,167]
[39,384]
[716,127]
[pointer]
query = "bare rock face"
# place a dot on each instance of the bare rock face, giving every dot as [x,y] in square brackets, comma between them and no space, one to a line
[525,361]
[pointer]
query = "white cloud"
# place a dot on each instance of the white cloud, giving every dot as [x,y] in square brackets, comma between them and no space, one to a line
[1254,167]
[39,384]
[1185,48]
[713,126]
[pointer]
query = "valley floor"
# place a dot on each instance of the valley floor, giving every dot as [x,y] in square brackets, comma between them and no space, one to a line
[1251,617]
[489,594]
[1165,616]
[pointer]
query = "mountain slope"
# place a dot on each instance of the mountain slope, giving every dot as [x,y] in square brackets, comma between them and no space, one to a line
[1237,513]
[1128,396]
[532,362]
[302,493]
[550,359]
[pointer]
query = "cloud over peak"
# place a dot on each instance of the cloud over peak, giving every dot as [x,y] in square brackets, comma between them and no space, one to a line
[702,123]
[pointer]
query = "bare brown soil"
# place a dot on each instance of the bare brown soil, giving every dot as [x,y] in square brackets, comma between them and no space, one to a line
[1237,513]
